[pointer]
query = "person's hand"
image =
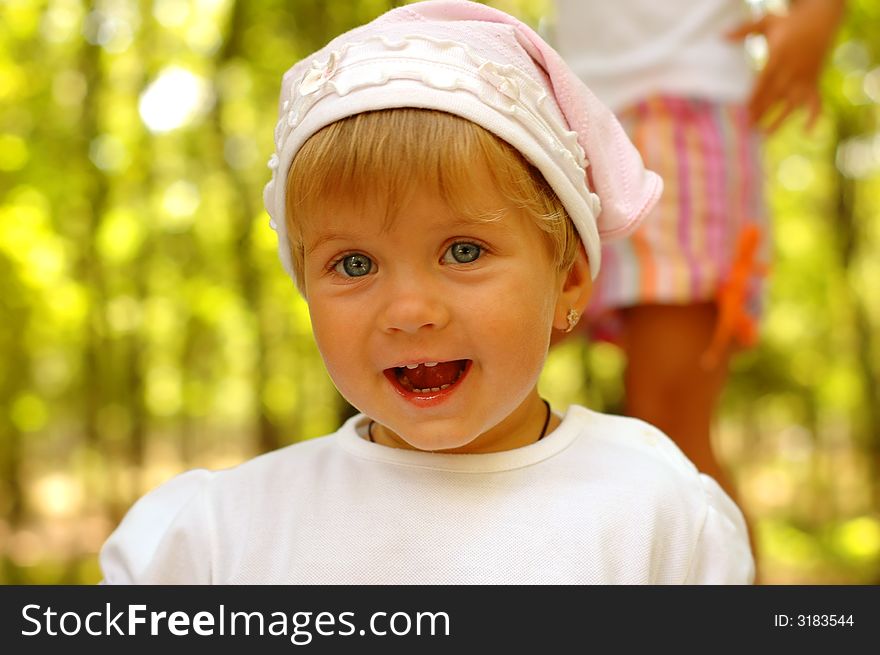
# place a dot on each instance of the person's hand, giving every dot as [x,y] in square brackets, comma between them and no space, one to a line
[796,46]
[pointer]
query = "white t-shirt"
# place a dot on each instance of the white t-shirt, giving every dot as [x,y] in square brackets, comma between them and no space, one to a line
[625,50]
[601,499]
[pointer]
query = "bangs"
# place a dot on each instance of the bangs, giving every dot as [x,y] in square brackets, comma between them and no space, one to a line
[382,157]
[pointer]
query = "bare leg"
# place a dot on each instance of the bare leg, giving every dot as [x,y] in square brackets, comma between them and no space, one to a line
[665,384]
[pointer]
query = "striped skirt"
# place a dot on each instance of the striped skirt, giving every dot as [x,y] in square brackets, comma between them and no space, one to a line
[708,237]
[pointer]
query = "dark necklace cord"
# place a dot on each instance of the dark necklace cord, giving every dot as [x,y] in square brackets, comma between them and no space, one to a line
[546,420]
[543,429]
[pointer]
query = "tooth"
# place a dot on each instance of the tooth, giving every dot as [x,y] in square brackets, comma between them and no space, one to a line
[430,364]
[444,386]
[412,366]
[435,388]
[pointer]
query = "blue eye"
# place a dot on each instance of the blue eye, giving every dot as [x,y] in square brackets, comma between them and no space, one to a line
[354,265]
[462,253]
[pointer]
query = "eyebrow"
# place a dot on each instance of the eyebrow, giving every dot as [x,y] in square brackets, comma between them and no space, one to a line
[456,222]
[325,238]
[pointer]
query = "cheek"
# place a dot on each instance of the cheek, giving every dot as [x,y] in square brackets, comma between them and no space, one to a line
[536,302]
[332,335]
[524,325]
[343,356]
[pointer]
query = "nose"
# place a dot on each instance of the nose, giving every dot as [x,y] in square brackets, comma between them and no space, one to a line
[414,303]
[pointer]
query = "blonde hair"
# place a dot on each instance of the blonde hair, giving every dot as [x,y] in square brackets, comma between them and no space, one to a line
[385,154]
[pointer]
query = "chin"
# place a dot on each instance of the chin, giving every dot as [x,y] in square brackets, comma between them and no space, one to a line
[433,442]
[438,445]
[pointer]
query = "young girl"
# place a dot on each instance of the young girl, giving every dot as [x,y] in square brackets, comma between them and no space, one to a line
[440,184]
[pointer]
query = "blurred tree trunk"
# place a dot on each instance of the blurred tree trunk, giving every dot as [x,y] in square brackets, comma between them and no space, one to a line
[89,266]
[98,370]
[15,312]
[137,275]
[103,374]
[848,125]
[246,209]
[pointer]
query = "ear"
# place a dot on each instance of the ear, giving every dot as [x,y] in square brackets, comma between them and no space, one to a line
[577,287]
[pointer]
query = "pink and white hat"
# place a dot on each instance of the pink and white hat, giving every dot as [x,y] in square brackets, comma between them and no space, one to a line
[481,64]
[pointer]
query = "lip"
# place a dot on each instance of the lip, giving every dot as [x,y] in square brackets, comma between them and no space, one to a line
[430,398]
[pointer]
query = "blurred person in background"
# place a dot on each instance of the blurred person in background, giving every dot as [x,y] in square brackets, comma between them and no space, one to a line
[683,292]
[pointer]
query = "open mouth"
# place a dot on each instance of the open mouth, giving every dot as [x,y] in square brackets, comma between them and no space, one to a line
[428,378]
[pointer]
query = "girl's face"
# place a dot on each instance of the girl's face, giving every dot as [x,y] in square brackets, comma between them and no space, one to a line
[437,326]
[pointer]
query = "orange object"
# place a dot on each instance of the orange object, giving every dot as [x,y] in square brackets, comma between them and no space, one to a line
[734,323]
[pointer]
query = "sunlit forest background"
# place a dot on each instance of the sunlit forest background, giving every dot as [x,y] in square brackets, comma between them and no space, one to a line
[146,326]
